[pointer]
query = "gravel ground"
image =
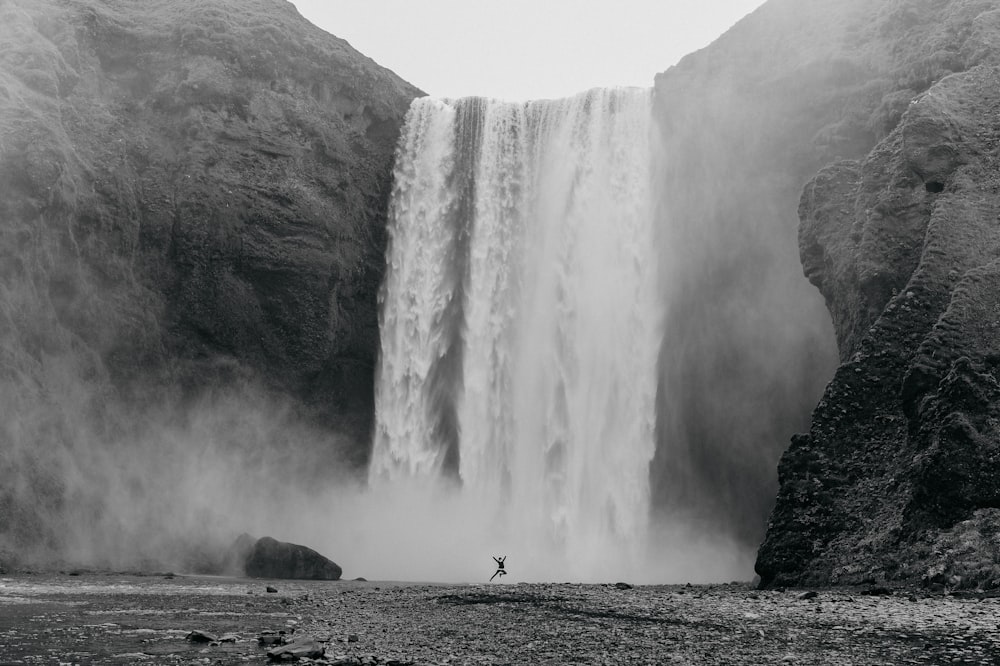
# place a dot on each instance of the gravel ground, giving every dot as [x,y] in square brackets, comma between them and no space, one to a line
[118,619]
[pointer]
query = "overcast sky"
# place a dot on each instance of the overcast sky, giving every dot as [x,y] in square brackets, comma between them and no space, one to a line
[525,49]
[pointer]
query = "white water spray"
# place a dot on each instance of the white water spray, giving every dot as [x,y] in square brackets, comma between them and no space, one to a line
[520,325]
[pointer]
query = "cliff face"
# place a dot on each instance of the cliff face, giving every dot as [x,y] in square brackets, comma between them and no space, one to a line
[817,95]
[192,211]
[897,477]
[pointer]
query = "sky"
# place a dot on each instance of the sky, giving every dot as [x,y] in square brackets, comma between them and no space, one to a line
[525,49]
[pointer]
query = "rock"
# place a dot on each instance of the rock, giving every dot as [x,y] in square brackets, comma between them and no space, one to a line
[623,586]
[197,636]
[229,638]
[271,590]
[352,638]
[270,638]
[807,595]
[901,242]
[207,182]
[300,648]
[276,559]
[362,580]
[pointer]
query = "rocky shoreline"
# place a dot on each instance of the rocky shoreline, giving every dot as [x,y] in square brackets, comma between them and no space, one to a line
[128,619]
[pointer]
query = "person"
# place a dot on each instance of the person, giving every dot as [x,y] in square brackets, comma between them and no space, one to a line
[500,570]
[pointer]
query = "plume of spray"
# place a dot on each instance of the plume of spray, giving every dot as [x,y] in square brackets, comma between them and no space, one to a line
[521,319]
[479,318]
[149,475]
[113,486]
[748,344]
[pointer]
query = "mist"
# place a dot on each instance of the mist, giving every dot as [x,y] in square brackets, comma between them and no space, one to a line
[164,474]
[725,350]
[94,483]
[749,345]
[170,488]
[173,378]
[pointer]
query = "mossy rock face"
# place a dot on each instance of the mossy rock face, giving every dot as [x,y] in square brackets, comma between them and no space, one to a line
[192,207]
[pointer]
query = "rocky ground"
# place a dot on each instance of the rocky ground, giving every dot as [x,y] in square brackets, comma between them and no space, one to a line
[120,619]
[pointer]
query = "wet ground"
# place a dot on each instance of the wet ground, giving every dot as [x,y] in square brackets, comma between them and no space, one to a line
[118,619]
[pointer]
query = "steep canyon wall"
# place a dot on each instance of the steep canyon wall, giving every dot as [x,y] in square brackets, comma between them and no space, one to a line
[192,233]
[896,477]
[896,97]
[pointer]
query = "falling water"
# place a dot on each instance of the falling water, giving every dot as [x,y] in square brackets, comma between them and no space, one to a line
[519,319]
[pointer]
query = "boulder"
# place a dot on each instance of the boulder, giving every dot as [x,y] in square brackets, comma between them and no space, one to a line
[302,648]
[270,558]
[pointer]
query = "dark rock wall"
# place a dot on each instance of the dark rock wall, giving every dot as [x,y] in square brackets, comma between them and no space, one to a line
[897,475]
[812,100]
[192,204]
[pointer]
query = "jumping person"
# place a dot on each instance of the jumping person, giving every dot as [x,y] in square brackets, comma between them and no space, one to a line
[500,571]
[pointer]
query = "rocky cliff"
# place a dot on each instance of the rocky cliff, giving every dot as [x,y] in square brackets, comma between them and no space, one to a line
[192,232]
[881,117]
[896,477]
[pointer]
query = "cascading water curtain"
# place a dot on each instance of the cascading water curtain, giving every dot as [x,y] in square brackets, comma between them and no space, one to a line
[520,320]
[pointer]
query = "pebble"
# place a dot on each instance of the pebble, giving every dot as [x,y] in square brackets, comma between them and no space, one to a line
[532,623]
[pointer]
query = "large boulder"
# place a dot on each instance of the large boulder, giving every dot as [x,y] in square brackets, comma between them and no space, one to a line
[270,558]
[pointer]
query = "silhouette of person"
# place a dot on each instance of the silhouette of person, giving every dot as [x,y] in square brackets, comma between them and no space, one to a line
[500,569]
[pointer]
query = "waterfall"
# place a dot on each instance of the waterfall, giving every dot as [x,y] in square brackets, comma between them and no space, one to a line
[520,319]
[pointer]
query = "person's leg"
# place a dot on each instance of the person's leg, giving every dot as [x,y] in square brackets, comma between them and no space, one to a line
[493,576]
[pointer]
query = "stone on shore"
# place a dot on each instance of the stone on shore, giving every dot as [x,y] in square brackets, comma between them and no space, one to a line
[270,558]
[306,647]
